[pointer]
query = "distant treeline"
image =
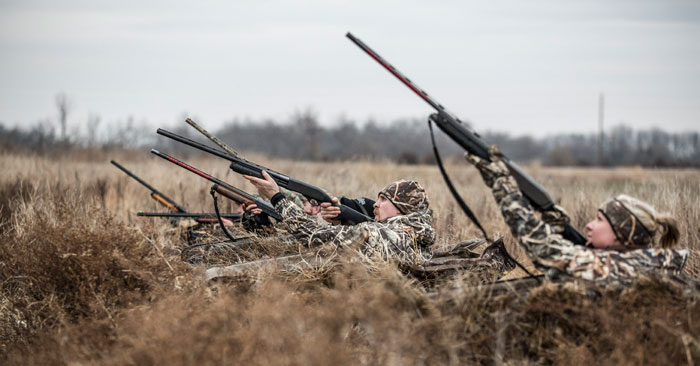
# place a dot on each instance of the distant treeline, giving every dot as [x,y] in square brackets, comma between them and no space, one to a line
[408,141]
[404,141]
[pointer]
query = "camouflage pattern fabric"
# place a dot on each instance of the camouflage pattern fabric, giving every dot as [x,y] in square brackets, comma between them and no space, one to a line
[556,256]
[408,196]
[488,266]
[625,224]
[405,238]
[296,198]
[494,262]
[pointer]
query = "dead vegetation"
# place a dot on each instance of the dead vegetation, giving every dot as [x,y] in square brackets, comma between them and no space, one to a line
[84,281]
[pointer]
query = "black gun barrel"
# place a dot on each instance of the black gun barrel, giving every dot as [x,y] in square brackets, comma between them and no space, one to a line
[187,215]
[243,166]
[221,154]
[169,200]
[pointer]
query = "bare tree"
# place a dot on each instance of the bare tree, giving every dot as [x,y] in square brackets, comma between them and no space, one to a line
[307,123]
[64,107]
[93,122]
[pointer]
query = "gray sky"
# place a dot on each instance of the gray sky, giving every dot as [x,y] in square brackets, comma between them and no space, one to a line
[519,66]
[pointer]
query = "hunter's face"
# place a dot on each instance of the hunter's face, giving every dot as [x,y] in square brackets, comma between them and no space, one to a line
[384,209]
[599,233]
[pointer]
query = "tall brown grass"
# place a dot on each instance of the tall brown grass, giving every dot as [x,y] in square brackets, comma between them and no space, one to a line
[85,281]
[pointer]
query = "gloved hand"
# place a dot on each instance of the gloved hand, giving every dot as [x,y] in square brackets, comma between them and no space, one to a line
[256,222]
[490,170]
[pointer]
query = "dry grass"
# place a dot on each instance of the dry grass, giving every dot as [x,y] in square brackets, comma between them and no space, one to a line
[85,281]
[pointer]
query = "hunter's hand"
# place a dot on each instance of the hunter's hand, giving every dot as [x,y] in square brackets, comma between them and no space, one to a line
[266,187]
[252,208]
[330,212]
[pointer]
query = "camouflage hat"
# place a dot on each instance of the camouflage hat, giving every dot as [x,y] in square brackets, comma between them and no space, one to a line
[407,195]
[626,225]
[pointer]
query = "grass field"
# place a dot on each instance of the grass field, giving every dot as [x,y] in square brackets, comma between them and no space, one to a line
[85,281]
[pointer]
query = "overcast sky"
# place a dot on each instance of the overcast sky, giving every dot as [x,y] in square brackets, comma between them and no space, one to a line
[519,66]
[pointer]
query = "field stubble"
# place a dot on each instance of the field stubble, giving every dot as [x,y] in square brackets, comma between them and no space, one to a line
[85,281]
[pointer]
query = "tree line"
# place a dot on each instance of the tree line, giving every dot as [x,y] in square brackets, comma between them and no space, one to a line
[405,141]
[408,141]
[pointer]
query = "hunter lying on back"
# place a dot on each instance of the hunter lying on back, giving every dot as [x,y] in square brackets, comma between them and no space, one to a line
[627,240]
[402,229]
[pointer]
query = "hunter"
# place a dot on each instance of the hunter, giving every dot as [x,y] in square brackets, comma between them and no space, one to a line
[402,229]
[627,240]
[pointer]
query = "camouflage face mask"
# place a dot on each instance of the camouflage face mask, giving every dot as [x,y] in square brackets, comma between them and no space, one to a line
[626,225]
[408,196]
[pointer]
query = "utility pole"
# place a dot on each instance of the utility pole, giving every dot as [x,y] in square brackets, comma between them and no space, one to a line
[601,133]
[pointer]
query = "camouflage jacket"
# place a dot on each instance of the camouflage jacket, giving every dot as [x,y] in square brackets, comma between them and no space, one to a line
[404,238]
[556,256]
